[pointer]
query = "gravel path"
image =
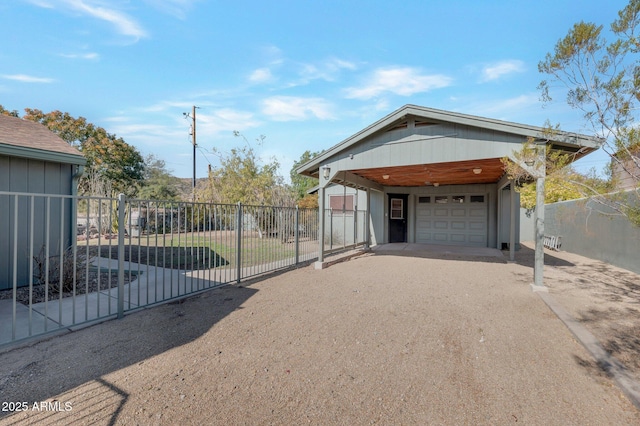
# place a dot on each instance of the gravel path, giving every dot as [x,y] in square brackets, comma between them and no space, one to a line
[376,340]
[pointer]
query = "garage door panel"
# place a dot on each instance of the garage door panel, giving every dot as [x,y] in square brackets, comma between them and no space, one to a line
[441,224]
[424,224]
[458,238]
[478,212]
[477,226]
[424,237]
[446,222]
[439,237]
[458,224]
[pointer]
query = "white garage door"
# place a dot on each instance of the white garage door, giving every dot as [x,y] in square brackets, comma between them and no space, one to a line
[452,219]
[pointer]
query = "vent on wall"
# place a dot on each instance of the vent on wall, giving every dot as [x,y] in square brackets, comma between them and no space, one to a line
[419,123]
[402,125]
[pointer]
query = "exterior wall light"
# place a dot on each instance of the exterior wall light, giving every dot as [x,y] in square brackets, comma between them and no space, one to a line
[477,171]
[326,171]
[436,184]
[385,177]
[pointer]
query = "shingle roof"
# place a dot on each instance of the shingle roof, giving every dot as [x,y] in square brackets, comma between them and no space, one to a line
[31,135]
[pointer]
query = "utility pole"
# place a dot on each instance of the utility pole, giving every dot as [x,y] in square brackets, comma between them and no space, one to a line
[193,140]
[193,134]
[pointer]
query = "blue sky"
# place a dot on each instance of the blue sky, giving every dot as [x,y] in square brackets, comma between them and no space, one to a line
[306,74]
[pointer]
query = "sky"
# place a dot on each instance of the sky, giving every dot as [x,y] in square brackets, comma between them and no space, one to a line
[304,74]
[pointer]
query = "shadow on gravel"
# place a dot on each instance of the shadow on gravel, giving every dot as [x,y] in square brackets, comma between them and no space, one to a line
[526,257]
[623,336]
[82,358]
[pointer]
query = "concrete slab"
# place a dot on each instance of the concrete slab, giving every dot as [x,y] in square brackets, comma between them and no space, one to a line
[408,248]
[71,311]
[39,323]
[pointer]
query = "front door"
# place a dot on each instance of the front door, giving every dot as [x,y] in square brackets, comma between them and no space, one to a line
[398,218]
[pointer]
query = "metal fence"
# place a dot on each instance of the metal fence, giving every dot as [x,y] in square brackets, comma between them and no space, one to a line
[344,228]
[67,261]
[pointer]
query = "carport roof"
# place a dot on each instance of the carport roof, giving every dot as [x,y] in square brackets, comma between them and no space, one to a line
[28,139]
[577,144]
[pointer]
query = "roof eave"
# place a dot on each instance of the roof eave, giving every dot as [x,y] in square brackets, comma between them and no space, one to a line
[563,138]
[39,154]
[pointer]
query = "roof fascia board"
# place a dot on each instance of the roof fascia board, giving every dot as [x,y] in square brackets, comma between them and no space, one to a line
[39,154]
[561,137]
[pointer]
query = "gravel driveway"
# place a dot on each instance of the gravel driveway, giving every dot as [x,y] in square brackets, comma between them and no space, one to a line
[380,339]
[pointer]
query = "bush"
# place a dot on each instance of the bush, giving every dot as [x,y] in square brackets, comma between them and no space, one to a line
[68,264]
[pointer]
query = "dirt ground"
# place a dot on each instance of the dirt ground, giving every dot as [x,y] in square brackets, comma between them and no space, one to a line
[379,339]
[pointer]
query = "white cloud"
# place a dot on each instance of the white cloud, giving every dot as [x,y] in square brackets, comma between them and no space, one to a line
[326,70]
[175,8]
[23,78]
[290,108]
[506,107]
[88,56]
[98,9]
[495,71]
[260,75]
[404,81]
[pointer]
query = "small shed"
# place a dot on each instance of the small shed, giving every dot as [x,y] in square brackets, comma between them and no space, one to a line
[39,174]
[433,177]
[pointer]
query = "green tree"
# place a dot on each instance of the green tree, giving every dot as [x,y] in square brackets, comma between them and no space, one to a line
[602,80]
[562,181]
[241,178]
[109,157]
[158,183]
[301,184]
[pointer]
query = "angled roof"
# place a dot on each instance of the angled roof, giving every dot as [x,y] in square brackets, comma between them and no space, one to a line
[24,138]
[571,142]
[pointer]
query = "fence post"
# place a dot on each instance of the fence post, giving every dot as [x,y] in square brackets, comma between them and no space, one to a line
[296,234]
[121,230]
[239,245]
[330,229]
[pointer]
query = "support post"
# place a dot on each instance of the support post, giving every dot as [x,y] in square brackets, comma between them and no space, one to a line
[121,230]
[512,222]
[239,245]
[296,234]
[538,275]
[367,221]
[321,225]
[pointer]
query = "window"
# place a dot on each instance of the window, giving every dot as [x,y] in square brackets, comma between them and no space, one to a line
[342,204]
[424,200]
[457,199]
[397,209]
[477,199]
[441,199]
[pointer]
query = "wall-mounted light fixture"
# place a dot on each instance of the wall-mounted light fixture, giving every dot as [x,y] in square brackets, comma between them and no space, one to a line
[436,184]
[385,177]
[477,171]
[326,171]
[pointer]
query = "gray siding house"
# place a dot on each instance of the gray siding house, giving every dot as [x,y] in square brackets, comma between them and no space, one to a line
[33,160]
[433,177]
